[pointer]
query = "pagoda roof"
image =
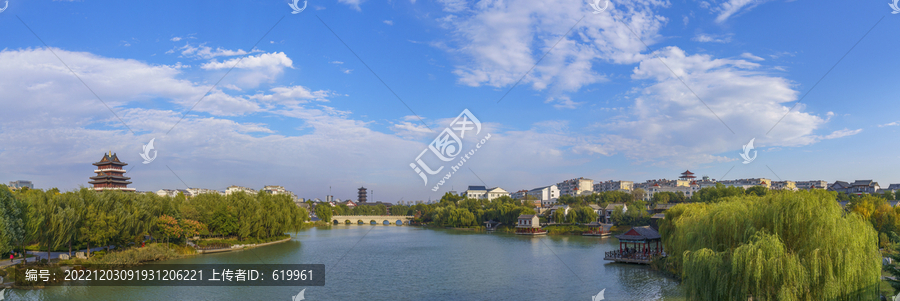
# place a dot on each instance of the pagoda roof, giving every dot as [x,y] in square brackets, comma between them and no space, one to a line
[110,158]
[110,177]
[687,172]
[109,181]
[640,233]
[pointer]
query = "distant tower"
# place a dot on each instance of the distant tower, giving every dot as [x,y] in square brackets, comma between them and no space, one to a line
[687,175]
[362,195]
[110,174]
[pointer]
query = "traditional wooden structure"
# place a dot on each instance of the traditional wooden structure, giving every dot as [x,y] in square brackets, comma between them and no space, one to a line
[491,225]
[110,174]
[597,229]
[638,245]
[529,224]
[687,176]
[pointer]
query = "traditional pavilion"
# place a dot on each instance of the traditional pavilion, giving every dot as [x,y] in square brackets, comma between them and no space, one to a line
[110,174]
[638,245]
[529,224]
[687,176]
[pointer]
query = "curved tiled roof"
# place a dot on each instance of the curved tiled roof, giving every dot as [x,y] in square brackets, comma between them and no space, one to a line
[639,233]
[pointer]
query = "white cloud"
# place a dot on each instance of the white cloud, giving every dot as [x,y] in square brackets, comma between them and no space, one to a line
[354,4]
[841,133]
[732,7]
[895,123]
[563,102]
[748,55]
[500,41]
[175,39]
[706,38]
[388,22]
[252,70]
[337,62]
[205,52]
[668,125]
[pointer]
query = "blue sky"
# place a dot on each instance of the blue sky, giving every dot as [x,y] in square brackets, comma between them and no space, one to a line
[302,111]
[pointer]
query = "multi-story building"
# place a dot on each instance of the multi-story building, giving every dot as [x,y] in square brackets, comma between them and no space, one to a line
[747,183]
[519,195]
[784,185]
[110,174]
[15,185]
[662,183]
[192,192]
[480,192]
[576,187]
[275,189]
[172,192]
[807,185]
[496,192]
[475,192]
[234,188]
[614,186]
[687,191]
[860,187]
[547,194]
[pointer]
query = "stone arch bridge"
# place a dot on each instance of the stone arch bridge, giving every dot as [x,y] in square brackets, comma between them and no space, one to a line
[371,219]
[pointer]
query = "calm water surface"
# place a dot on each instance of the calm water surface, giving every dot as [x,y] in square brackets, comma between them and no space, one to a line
[412,263]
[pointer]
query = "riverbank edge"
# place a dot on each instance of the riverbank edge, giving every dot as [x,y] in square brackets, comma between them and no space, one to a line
[243,247]
[5,285]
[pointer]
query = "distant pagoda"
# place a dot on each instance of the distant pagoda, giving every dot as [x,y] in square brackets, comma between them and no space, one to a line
[110,174]
[688,176]
[361,198]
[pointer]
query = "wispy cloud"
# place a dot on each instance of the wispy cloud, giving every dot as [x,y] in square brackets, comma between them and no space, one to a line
[748,55]
[895,123]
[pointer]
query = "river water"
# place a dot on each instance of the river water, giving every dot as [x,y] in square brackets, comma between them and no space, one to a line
[413,263]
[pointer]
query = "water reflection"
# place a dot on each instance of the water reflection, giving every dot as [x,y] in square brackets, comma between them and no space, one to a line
[412,263]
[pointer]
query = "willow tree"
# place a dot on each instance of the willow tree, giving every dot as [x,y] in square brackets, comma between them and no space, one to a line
[782,246]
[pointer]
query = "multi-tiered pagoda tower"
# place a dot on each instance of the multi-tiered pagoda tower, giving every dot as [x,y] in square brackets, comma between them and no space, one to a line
[361,197]
[687,176]
[110,174]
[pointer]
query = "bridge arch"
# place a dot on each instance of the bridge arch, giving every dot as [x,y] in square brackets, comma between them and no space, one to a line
[399,222]
[359,222]
[386,223]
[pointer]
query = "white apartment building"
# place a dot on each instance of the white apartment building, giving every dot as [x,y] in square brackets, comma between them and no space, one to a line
[784,185]
[662,183]
[575,187]
[475,192]
[519,195]
[234,188]
[747,183]
[480,192]
[815,184]
[197,191]
[274,189]
[172,192]
[688,191]
[614,186]
[547,194]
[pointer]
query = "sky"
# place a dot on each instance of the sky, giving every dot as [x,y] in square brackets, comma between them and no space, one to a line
[350,93]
